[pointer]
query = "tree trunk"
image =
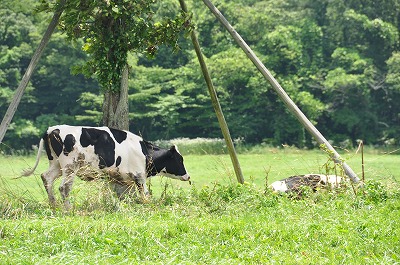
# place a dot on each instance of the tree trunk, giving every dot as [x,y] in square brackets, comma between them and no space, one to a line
[27,76]
[115,105]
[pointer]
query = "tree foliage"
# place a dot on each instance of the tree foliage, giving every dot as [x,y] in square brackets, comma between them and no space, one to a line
[338,60]
[110,29]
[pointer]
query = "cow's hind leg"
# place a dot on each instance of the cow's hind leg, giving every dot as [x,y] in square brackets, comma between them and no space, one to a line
[66,186]
[48,179]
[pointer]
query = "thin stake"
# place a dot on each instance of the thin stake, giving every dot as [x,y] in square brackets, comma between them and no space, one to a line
[362,161]
[362,164]
[215,103]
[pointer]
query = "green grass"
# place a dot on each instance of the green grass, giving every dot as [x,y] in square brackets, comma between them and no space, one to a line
[214,221]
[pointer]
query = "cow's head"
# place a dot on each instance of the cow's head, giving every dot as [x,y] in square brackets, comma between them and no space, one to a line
[167,162]
[172,165]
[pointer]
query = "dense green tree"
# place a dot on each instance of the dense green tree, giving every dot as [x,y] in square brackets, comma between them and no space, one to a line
[347,87]
[338,60]
[17,37]
[53,93]
[15,52]
[390,95]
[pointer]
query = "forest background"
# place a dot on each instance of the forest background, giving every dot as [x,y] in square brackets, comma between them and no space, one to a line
[338,60]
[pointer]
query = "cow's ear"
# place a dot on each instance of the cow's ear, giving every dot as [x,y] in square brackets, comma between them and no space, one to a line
[172,151]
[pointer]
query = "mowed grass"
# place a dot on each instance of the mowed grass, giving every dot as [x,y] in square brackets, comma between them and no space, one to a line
[212,221]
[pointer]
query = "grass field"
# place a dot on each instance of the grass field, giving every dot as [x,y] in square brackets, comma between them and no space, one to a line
[213,221]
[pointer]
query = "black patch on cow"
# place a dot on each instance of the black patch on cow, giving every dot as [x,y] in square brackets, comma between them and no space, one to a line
[45,138]
[69,143]
[148,150]
[118,161]
[119,135]
[56,142]
[104,145]
[87,137]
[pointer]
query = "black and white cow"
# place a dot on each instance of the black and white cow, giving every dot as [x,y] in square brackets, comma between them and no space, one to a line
[87,152]
[314,181]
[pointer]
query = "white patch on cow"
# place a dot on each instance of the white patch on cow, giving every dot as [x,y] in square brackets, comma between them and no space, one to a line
[334,180]
[279,186]
[176,148]
[164,173]
[132,156]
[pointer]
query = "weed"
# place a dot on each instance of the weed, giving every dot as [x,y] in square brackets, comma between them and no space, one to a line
[375,192]
[331,166]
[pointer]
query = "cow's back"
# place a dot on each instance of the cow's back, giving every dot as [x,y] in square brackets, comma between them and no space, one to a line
[99,147]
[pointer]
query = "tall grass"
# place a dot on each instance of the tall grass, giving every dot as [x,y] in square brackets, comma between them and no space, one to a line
[213,221]
[217,224]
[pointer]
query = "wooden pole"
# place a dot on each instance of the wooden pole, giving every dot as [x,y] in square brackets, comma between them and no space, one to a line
[281,92]
[215,103]
[12,108]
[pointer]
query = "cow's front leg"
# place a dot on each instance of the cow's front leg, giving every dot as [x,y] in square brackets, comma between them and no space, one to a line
[146,190]
[123,190]
[140,182]
[66,186]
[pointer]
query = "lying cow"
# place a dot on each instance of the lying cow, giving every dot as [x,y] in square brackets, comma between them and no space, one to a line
[314,181]
[124,157]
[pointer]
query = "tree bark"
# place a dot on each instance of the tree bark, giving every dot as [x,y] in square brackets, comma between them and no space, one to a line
[28,73]
[115,105]
[215,102]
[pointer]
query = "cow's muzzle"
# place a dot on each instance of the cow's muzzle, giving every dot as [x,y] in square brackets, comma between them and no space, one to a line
[185,177]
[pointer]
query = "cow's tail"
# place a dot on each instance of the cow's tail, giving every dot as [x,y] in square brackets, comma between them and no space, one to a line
[28,172]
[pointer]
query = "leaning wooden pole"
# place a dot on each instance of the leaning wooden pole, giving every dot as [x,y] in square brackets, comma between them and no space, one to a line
[12,108]
[215,103]
[281,92]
